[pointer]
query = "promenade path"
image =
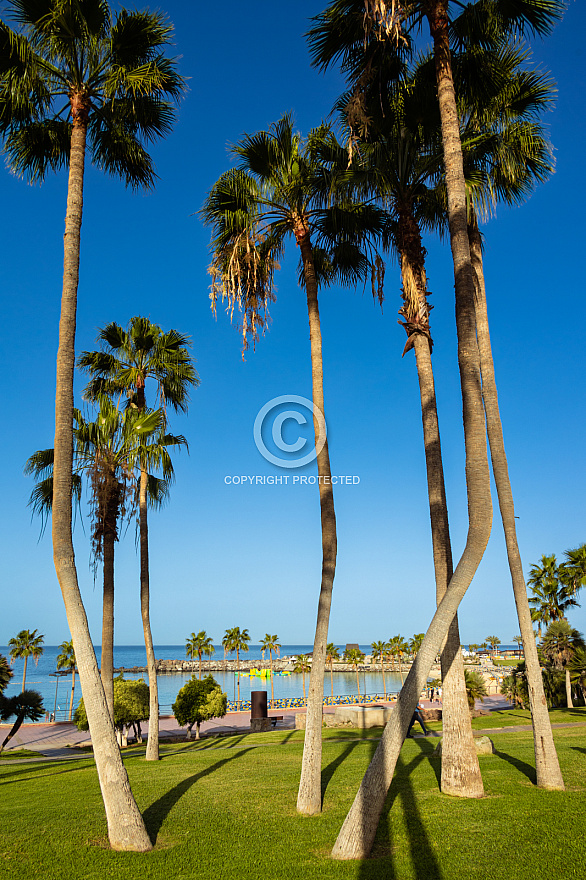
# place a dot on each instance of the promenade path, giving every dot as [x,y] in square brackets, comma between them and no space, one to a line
[59,739]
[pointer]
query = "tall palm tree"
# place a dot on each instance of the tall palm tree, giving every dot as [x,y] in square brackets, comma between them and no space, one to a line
[127,359]
[494,642]
[573,570]
[66,660]
[379,651]
[85,81]
[551,598]
[404,158]
[516,156]
[354,656]
[270,644]
[332,654]
[303,666]
[26,644]
[104,452]
[284,187]
[236,639]
[559,645]
[398,646]
[199,644]
[345,29]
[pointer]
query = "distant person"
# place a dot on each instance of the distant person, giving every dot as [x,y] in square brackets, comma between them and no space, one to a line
[417,716]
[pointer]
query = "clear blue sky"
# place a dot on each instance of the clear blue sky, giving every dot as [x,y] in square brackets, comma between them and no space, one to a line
[225,555]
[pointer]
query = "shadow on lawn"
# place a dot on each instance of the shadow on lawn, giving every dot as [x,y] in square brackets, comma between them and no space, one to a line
[328,772]
[526,769]
[381,864]
[155,815]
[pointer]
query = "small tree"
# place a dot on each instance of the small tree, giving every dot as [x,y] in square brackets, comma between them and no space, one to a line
[131,706]
[199,700]
[28,704]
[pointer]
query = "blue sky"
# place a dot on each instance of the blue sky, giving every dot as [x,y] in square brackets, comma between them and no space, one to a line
[231,555]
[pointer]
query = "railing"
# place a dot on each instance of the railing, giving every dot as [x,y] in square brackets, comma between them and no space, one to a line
[244,705]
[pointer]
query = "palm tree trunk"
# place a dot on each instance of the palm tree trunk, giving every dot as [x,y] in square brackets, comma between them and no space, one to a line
[24,673]
[72,693]
[152,750]
[357,684]
[359,828]
[309,796]
[272,685]
[569,703]
[547,766]
[199,655]
[382,666]
[107,661]
[460,770]
[13,730]
[238,676]
[126,828]
[332,677]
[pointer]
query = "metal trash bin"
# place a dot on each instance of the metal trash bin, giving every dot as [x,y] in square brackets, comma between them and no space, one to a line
[259,720]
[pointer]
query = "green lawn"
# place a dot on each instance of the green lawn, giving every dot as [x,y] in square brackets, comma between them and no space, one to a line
[225,809]
[14,754]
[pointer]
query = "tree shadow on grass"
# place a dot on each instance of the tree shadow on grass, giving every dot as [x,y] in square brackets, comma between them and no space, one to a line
[578,749]
[155,815]
[42,765]
[328,771]
[381,863]
[524,768]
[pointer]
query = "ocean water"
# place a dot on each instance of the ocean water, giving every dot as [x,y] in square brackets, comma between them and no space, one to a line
[56,690]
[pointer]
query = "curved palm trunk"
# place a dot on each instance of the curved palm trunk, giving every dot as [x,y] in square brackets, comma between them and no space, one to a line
[309,796]
[547,766]
[460,770]
[359,829]
[107,659]
[126,828]
[152,750]
[14,729]
[72,693]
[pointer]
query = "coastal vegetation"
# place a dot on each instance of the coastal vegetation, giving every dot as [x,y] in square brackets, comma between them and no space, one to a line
[432,145]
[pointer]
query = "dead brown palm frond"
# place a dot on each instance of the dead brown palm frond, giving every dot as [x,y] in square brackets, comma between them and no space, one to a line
[242,276]
[383,20]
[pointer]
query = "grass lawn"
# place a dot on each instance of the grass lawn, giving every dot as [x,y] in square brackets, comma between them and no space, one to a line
[225,809]
[13,754]
[506,661]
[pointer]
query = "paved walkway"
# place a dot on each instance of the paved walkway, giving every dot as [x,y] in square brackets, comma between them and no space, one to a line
[57,741]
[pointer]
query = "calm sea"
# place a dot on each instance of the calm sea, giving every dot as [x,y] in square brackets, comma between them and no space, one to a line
[56,690]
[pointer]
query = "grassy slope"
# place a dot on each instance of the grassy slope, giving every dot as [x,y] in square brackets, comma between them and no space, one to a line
[226,809]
